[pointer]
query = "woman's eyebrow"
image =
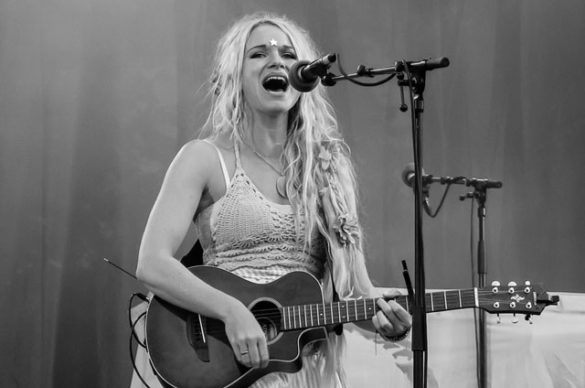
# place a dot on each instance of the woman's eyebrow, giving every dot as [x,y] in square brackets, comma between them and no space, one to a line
[264,46]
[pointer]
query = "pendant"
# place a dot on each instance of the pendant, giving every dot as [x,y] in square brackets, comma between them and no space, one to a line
[281,186]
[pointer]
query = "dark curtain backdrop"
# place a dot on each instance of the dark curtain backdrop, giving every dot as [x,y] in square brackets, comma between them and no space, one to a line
[97,96]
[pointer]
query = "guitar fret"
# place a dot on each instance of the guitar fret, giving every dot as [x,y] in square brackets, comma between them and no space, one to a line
[324,314]
[339,311]
[331,305]
[438,301]
[460,303]
[311,311]
[318,315]
[445,297]
[305,312]
[283,315]
[300,317]
[346,311]
[355,309]
[432,306]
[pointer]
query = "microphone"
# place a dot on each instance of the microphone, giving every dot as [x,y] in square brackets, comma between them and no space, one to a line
[304,75]
[408,176]
[424,65]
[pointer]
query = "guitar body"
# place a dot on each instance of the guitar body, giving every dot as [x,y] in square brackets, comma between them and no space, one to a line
[191,351]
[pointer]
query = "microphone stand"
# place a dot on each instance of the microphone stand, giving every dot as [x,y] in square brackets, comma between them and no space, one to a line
[419,319]
[415,81]
[480,194]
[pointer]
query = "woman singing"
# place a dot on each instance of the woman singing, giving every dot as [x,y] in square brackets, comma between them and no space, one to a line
[271,190]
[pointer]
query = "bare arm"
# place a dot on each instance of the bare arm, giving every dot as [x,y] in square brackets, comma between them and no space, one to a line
[186,179]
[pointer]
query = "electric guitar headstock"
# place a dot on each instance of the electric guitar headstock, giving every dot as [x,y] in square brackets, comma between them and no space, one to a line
[527,299]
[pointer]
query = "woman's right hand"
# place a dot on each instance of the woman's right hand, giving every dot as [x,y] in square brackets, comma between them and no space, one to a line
[247,338]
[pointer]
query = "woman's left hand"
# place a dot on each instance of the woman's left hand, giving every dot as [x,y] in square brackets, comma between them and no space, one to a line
[391,321]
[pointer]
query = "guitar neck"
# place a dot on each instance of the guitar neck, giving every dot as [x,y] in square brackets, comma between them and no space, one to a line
[347,311]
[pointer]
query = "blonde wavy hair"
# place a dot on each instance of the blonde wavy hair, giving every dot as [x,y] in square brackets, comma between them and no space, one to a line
[320,177]
[317,160]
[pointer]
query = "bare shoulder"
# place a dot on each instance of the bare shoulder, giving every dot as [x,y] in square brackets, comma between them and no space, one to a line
[193,161]
[224,142]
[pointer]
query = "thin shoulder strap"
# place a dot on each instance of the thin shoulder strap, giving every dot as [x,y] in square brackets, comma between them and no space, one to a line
[237,152]
[222,162]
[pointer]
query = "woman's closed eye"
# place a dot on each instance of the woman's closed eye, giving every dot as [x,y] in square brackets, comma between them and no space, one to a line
[258,54]
[288,54]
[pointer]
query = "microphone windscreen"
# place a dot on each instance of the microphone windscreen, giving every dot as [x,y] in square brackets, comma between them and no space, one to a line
[408,174]
[297,82]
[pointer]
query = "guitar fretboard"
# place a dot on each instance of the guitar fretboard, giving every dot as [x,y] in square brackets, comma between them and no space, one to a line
[313,315]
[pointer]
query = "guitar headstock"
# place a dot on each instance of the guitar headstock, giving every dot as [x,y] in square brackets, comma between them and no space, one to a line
[515,299]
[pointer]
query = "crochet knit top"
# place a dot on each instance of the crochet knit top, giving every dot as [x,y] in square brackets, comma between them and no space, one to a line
[247,234]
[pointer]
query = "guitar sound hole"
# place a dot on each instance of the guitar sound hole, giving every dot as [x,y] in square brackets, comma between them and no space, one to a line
[268,315]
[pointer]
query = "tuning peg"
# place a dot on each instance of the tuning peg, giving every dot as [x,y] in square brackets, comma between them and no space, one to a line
[499,319]
[511,286]
[527,288]
[495,285]
[528,318]
[514,319]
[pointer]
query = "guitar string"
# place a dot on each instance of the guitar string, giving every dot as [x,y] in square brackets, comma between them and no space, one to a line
[440,296]
[326,313]
[275,312]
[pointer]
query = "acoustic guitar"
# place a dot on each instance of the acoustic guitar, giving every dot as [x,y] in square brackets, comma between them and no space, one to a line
[188,350]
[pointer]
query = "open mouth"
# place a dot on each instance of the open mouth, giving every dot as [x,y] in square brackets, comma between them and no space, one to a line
[275,83]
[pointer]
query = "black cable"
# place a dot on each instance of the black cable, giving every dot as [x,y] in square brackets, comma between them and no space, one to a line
[433,215]
[134,361]
[346,76]
[133,324]
[134,336]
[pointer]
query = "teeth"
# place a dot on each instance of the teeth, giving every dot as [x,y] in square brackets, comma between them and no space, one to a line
[276,78]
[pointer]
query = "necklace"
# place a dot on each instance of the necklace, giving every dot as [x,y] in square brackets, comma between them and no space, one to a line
[281,180]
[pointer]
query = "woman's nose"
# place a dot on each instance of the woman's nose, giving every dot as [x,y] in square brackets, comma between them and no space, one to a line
[276,59]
